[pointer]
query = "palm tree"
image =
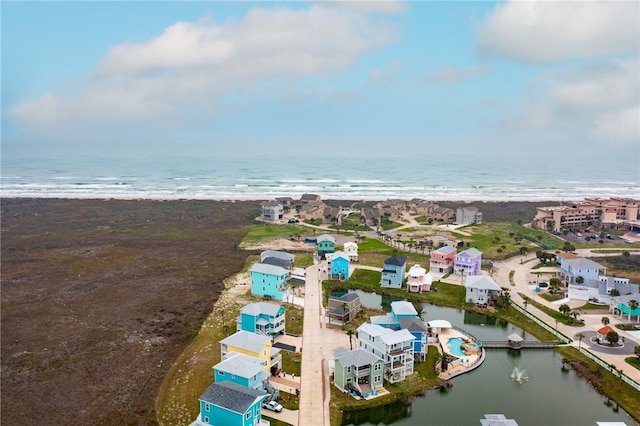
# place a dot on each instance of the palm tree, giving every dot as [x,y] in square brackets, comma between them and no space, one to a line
[564,308]
[350,333]
[579,279]
[605,321]
[575,314]
[636,351]
[525,300]
[633,305]
[580,336]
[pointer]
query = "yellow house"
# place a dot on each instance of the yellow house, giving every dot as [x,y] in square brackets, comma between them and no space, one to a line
[255,345]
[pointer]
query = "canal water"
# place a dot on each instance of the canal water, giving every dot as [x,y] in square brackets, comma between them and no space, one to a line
[551,396]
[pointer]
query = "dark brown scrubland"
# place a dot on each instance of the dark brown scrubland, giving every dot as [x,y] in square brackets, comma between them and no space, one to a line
[99,297]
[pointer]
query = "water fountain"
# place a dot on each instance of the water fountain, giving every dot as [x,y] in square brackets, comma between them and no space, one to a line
[519,375]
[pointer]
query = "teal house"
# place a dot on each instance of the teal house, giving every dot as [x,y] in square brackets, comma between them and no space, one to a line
[358,370]
[338,266]
[241,369]
[393,272]
[628,305]
[400,310]
[269,281]
[263,318]
[326,244]
[230,404]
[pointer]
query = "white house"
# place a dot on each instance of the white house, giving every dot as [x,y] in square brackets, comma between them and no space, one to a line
[351,249]
[418,279]
[468,215]
[481,289]
[271,210]
[571,269]
[394,347]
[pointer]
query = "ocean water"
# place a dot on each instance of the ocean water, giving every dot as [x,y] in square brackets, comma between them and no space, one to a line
[444,178]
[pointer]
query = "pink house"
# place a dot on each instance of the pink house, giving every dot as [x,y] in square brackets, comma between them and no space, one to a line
[442,260]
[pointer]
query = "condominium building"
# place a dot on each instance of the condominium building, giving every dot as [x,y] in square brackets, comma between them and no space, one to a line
[585,213]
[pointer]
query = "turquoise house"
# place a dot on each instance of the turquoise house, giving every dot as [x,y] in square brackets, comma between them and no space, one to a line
[262,318]
[326,244]
[230,404]
[400,310]
[623,305]
[338,266]
[241,369]
[269,281]
[393,272]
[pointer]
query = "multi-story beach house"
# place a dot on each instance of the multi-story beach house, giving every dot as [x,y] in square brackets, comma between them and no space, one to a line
[326,244]
[255,345]
[572,269]
[269,281]
[351,250]
[241,369]
[585,213]
[358,369]
[443,214]
[600,290]
[469,215]
[442,261]
[394,347]
[263,318]
[481,290]
[271,210]
[420,332]
[399,309]
[393,272]
[344,308]
[278,258]
[228,403]
[468,262]
[418,279]
[338,265]
[628,304]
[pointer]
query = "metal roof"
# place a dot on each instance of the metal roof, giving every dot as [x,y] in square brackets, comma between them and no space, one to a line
[241,365]
[482,282]
[246,340]
[356,357]
[265,268]
[258,308]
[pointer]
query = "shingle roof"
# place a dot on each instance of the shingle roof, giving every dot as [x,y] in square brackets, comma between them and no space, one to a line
[233,397]
[471,253]
[265,268]
[241,365]
[277,254]
[336,255]
[413,324]
[403,308]
[396,261]
[356,357]
[245,340]
[445,250]
[258,308]
[326,237]
[416,271]
[482,282]
[581,263]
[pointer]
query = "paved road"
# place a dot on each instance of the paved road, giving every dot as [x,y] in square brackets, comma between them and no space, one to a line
[522,277]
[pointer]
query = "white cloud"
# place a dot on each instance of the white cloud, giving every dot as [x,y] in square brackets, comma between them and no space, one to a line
[546,31]
[453,75]
[371,6]
[599,103]
[190,69]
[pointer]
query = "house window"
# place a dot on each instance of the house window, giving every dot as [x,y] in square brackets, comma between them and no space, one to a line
[206,407]
[248,415]
[377,367]
[221,373]
[348,369]
[206,419]
[377,378]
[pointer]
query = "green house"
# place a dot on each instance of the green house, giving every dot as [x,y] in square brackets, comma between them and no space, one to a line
[358,370]
[326,244]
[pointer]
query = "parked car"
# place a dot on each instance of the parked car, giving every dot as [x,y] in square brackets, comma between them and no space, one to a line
[273,406]
[543,285]
[293,220]
[578,234]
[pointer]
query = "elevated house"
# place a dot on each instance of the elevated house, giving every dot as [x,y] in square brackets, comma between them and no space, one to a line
[230,404]
[599,291]
[571,269]
[270,281]
[442,261]
[418,279]
[278,258]
[399,310]
[468,262]
[326,244]
[271,210]
[351,250]
[241,369]
[393,272]
[562,256]
[628,304]
[469,215]
[358,369]
[255,345]
[420,332]
[394,347]
[263,318]
[344,308]
[338,264]
[481,290]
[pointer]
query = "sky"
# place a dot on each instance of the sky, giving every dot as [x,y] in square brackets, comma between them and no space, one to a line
[353,77]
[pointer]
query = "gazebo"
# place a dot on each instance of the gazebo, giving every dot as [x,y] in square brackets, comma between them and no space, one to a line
[515,341]
[602,333]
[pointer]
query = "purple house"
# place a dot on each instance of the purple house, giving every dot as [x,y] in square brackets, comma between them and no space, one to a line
[468,262]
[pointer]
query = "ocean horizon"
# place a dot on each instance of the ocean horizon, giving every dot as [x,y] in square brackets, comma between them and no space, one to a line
[260,177]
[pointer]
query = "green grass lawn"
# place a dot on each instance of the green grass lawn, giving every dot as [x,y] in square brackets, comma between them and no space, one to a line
[633,360]
[261,232]
[555,314]
[291,362]
[303,259]
[294,317]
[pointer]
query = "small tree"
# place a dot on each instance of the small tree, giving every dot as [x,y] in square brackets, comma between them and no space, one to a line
[604,321]
[579,279]
[633,305]
[350,333]
[525,300]
[614,292]
[612,337]
[564,309]
[580,336]
[636,351]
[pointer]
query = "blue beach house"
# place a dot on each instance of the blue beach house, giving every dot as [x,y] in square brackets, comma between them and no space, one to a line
[241,369]
[338,266]
[262,318]
[326,244]
[269,281]
[393,272]
[230,404]
[419,330]
[399,310]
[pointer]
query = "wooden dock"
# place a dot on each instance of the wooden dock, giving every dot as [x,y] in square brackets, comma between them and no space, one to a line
[525,344]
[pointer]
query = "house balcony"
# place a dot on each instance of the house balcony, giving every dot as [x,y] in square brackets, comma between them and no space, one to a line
[276,360]
[363,371]
[399,351]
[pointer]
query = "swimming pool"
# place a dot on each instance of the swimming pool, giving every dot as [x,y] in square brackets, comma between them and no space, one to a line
[455,346]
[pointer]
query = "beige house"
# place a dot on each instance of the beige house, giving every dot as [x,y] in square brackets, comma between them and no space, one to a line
[344,308]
